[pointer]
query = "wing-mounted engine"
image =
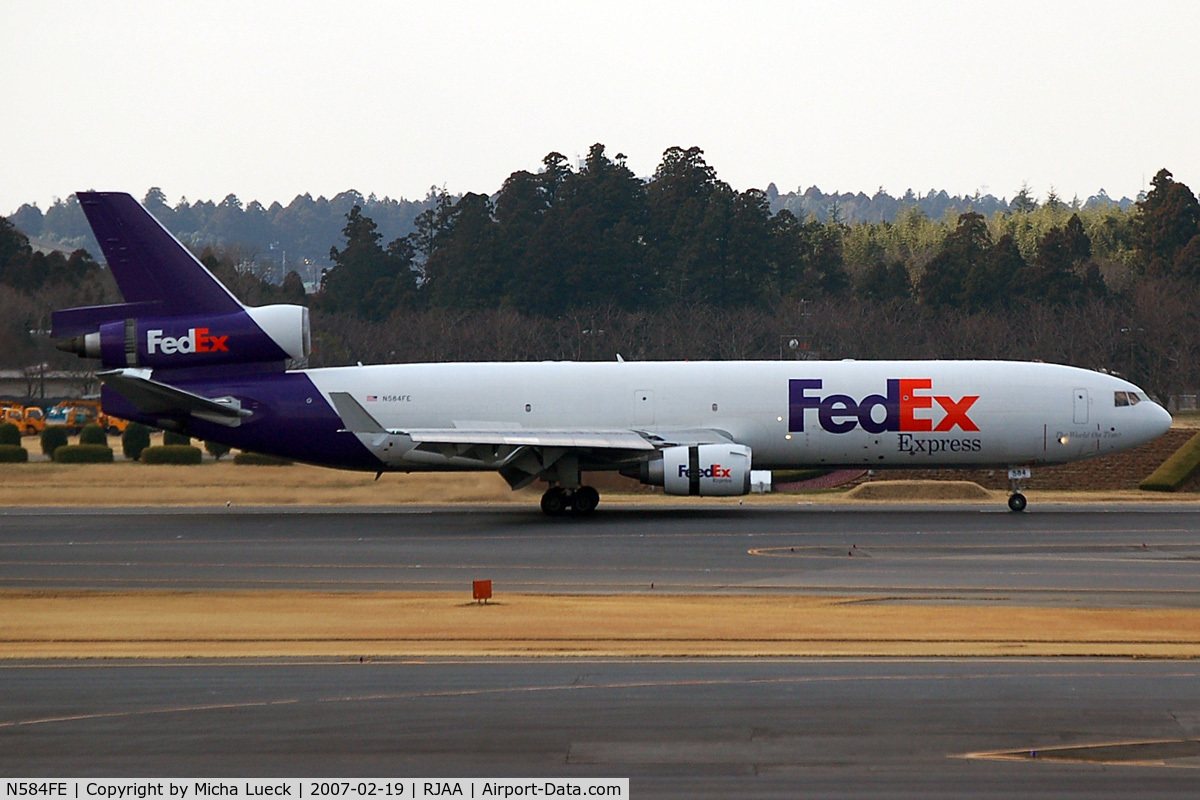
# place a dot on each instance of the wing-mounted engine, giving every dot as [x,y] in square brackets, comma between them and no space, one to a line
[713,470]
[250,335]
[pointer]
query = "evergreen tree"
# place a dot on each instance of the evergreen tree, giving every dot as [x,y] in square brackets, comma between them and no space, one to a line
[366,279]
[588,250]
[465,271]
[1168,219]
[990,280]
[885,281]
[678,200]
[944,282]
[1057,273]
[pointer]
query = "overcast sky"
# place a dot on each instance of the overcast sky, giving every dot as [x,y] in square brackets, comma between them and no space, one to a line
[270,99]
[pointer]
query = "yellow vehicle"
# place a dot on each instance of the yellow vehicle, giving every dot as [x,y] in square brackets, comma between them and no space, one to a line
[74,415]
[71,415]
[30,420]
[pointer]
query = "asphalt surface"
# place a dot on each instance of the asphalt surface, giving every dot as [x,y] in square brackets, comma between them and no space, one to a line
[691,729]
[1105,557]
[677,728]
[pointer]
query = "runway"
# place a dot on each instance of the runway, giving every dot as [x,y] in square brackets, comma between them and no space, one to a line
[678,728]
[746,729]
[1110,557]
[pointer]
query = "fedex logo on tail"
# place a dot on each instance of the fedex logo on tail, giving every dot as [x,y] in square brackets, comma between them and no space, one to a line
[197,340]
[908,406]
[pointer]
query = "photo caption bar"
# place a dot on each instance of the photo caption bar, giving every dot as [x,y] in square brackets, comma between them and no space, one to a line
[297,788]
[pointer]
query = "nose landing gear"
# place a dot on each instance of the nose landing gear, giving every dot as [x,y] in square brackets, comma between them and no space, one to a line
[1016,482]
[557,501]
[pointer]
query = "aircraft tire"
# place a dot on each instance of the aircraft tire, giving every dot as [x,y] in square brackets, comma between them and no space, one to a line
[1017,502]
[554,501]
[585,500]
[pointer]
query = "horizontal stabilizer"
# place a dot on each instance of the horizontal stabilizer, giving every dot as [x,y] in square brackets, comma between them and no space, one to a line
[151,397]
[88,319]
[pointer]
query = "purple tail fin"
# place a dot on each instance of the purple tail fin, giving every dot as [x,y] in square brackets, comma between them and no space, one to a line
[176,315]
[149,264]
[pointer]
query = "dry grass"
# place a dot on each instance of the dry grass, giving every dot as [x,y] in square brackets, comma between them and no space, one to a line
[919,490]
[136,484]
[263,624]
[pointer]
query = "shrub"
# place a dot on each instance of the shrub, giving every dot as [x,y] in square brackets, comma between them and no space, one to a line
[173,438]
[13,454]
[134,440]
[83,454]
[260,460]
[53,438]
[171,454]
[10,434]
[93,434]
[216,449]
[1176,469]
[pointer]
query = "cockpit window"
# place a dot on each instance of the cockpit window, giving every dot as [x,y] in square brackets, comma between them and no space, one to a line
[1127,398]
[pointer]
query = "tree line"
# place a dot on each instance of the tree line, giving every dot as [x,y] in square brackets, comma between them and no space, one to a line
[588,262]
[273,240]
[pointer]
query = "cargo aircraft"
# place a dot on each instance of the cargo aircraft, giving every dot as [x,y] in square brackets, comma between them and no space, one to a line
[183,353]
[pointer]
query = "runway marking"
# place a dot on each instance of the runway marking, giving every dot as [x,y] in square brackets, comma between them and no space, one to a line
[1138,753]
[562,687]
[971,550]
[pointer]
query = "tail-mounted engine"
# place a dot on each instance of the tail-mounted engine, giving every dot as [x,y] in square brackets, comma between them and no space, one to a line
[721,470]
[252,335]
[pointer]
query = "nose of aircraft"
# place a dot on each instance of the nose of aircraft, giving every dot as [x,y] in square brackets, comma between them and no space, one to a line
[1158,420]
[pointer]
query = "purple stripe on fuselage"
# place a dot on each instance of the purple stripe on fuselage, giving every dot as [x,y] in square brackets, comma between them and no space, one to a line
[290,419]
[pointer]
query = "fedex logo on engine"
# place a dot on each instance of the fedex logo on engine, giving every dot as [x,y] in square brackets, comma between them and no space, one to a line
[907,406]
[197,340]
[715,471]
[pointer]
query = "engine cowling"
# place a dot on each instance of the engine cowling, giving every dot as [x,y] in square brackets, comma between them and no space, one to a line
[267,333]
[707,470]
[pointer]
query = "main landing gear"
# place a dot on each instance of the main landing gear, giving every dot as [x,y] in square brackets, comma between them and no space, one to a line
[582,501]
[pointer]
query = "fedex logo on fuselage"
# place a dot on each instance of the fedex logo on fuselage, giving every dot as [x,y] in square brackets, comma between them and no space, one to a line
[907,406]
[197,340]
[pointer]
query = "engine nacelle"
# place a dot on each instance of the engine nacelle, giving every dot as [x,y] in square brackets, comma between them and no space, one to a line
[713,470]
[269,333]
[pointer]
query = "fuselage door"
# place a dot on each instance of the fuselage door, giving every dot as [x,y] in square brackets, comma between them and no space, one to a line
[643,407]
[1081,406]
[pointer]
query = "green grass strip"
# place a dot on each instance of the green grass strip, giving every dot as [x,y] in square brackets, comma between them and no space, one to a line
[1175,471]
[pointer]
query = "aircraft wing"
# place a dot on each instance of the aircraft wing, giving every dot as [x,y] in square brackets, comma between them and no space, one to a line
[153,397]
[602,440]
[521,455]
[358,420]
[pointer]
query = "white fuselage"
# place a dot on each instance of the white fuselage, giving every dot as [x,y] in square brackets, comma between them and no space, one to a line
[790,413]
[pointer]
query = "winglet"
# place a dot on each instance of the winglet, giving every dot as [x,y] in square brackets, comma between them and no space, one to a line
[354,416]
